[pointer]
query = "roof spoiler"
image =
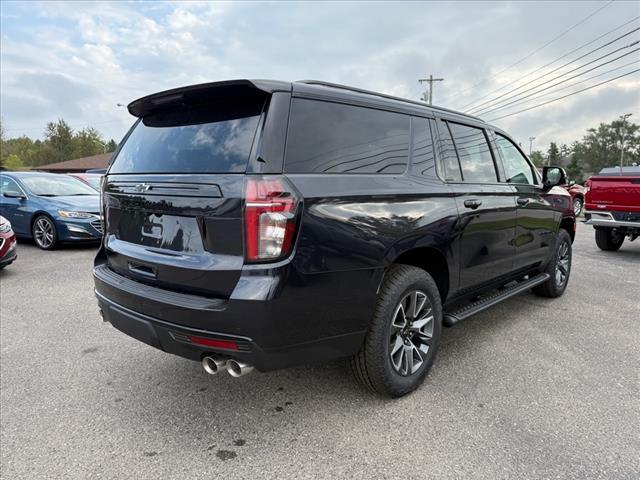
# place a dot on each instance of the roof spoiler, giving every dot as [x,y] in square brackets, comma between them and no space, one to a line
[204,93]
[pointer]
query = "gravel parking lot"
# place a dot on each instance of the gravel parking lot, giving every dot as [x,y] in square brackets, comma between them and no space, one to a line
[529,389]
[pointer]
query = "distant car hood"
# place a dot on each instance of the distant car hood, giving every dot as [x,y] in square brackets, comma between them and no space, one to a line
[76,203]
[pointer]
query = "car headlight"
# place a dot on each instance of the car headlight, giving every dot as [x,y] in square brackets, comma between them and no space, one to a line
[64,213]
[5,227]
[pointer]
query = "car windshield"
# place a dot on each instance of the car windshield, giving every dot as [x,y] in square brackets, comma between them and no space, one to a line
[56,186]
[92,180]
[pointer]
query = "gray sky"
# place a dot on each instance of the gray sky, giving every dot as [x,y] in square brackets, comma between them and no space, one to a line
[78,60]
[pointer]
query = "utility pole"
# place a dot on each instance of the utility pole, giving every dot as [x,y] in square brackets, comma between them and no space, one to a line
[623,130]
[531,139]
[430,80]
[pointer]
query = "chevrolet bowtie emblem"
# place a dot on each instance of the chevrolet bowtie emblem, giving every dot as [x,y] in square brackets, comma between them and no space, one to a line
[142,187]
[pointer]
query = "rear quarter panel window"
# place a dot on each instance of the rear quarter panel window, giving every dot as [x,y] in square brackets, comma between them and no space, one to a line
[327,137]
[423,162]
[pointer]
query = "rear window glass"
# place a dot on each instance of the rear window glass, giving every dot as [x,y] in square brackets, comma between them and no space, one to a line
[204,139]
[447,152]
[328,137]
[474,154]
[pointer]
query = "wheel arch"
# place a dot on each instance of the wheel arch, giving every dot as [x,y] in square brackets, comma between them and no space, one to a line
[430,259]
[569,224]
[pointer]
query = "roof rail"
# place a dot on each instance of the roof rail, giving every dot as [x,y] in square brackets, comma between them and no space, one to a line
[384,95]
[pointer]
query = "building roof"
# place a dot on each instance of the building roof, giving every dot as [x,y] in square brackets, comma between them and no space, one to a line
[78,164]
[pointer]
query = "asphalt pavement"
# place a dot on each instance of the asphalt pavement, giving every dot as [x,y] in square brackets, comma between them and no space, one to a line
[532,388]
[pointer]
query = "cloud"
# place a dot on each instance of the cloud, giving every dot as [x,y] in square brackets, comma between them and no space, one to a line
[93,55]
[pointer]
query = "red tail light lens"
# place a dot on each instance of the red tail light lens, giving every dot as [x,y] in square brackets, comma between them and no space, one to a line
[269,218]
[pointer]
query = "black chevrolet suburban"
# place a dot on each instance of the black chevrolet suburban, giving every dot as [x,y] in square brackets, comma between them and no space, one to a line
[269,224]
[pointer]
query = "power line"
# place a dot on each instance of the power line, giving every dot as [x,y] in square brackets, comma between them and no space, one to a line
[555,69]
[539,48]
[565,74]
[552,61]
[558,68]
[565,96]
[568,86]
[494,107]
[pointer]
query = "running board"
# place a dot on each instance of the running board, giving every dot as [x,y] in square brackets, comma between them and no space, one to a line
[451,318]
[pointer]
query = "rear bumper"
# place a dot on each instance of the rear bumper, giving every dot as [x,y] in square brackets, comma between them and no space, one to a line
[262,318]
[612,219]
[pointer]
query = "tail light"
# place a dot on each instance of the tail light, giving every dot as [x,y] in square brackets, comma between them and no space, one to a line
[269,218]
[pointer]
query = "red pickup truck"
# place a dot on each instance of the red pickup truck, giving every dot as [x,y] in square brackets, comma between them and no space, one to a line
[612,206]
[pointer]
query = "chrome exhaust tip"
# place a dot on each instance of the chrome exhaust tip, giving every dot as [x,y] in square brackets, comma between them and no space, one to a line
[237,369]
[213,365]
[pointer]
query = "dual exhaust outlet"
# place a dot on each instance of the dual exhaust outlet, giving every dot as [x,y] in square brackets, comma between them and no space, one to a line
[214,365]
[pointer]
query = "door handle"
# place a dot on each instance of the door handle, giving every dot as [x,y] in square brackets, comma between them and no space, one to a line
[472,204]
[523,201]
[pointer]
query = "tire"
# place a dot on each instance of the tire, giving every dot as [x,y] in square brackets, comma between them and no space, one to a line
[609,239]
[416,340]
[577,205]
[558,268]
[44,232]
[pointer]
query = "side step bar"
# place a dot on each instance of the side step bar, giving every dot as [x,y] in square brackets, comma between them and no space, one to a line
[451,318]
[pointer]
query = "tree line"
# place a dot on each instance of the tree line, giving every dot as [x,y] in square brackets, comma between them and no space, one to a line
[60,143]
[599,148]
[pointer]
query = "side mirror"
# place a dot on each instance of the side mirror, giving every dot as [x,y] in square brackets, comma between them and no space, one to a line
[552,176]
[14,194]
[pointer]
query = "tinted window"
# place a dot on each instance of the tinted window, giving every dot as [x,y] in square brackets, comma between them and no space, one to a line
[423,156]
[195,140]
[516,167]
[447,154]
[332,138]
[474,154]
[9,185]
[56,186]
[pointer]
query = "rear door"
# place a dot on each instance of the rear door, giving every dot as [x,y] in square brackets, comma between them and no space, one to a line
[537,217]
[486,208]
[173,195]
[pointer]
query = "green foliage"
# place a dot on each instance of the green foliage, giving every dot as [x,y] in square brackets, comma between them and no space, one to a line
[61,143]
[13,162]
[553,154]
[537,158]
[599,148]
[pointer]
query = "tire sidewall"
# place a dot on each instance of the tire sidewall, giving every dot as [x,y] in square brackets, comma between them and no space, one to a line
[575,201]
[563,237]
[415,281]
[54,243]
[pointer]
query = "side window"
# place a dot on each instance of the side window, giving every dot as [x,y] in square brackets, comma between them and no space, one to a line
[329,137]
[447,153]
[423,155]
[8,185]
[474,153]
[516,167]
